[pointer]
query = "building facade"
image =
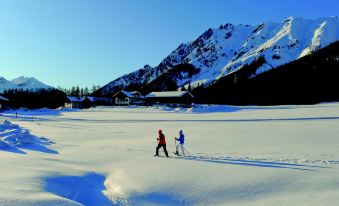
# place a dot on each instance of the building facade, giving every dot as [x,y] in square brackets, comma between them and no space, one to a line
[74,102]
[170,97]
[124,98]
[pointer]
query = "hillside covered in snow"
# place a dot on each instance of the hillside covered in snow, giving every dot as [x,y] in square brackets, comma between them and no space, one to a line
[222,51]
[22,83]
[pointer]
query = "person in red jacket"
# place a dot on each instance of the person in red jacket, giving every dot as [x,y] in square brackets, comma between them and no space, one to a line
[161,143]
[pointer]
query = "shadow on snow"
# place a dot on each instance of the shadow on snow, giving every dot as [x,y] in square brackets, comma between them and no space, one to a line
[253,163]
[14,138]
[86,190]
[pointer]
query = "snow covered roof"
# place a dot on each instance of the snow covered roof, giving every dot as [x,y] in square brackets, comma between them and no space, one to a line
[168,94]
[132,94]
[91,99]
[135,93]
[94,99]
[3,98]
[129,94]
[75,99]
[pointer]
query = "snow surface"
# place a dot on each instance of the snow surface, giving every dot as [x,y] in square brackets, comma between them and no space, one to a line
[13,138]
[285,155]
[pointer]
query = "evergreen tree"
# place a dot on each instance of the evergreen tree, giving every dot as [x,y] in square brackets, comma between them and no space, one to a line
[86,91]
[77,91]
[82,94]
[93,89]
[72,93]
[189,87]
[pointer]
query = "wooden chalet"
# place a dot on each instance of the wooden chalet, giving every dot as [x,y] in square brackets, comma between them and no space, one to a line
[74,102]
[170,97]
[124,98]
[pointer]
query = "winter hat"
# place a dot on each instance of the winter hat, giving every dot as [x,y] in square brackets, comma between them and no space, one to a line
[160,131]
[180,131]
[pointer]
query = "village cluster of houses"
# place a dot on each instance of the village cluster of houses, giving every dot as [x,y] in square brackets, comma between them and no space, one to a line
[125,98]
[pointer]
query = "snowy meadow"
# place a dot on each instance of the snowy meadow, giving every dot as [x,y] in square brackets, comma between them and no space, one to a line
[279,155]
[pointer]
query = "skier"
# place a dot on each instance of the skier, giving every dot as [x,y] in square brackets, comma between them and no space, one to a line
[161,143]
[181,141]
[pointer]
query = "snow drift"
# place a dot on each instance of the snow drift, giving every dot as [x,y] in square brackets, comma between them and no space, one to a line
[14,138]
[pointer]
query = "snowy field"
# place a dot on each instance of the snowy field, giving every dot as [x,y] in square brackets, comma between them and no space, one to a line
[282,155]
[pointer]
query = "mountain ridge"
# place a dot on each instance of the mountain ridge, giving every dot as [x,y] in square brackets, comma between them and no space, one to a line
[220,51]
[22,83]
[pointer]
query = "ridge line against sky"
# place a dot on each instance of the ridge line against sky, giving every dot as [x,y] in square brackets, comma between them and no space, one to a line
[83,42]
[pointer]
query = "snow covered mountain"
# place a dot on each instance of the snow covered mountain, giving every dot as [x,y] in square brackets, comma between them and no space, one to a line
[5,84]
[25,83]
[221,51]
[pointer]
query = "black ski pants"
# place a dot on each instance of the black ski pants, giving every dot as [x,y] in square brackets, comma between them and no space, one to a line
[163,146]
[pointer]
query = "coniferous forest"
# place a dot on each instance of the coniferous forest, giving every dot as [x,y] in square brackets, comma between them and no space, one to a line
[308,80]
[50,98]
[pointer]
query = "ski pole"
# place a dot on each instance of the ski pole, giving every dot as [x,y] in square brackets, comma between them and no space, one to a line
[187,151]
[175,146]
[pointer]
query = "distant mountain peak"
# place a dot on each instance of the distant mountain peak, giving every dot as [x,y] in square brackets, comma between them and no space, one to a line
[21,82]
[221,51]
[22,79]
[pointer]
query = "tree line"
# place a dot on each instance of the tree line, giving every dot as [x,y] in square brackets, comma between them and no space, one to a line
[33,99]
[77,91]
[39,98]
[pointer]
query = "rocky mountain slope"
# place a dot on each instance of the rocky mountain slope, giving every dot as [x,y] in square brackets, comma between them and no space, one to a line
[221,51]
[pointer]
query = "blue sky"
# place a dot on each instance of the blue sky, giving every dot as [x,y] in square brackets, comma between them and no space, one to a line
[82,42]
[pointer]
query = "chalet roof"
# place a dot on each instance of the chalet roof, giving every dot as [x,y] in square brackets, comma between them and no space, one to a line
[168,94]
[135,93]
[75,99]
[130,94]
[3,98]
[92,99]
